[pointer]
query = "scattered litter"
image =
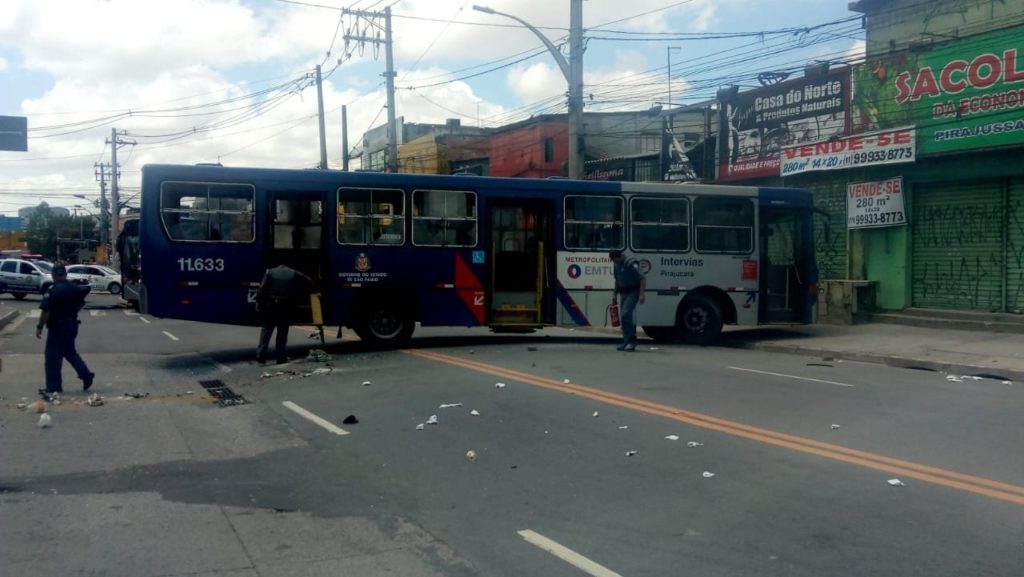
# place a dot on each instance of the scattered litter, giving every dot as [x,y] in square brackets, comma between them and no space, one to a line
[692,444]
[432,420]
[450,405]
[630,453]
[672,437]
[819,365]
[566,381]
[976,378]
[531,349]
[276,374]
[44,421]
[834,426]
[475,413]
[22,406]
[896,483]
[95,400]
[954,379]
[708,474]
[596,414]
[420,427]
[318,371]
[471,455]
[1007,382]
[351,420]
[367,383]
[188,392]
[40,407]
[499,385]
[136,395]
[56,401]
[623,427]
[653,348]
[318,356]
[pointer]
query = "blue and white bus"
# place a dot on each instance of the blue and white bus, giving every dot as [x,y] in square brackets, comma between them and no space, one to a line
[390,251]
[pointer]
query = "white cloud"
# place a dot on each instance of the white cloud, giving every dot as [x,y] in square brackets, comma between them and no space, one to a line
[3,64]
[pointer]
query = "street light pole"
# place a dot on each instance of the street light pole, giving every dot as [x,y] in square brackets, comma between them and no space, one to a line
[573,73]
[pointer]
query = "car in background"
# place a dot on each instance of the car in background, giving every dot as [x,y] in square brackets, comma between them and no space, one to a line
[98,277]
[21,277]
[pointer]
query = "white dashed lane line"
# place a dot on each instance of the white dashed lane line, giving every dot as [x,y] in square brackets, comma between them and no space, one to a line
[568,555]
[170,336]
[314,418]
[793,377]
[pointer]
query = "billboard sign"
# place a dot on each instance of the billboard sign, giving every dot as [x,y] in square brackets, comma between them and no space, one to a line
[965,94]
[756,125]
[14,133]
[875,204]
[869,149]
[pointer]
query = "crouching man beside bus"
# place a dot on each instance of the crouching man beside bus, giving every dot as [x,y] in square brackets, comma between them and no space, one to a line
[282,289]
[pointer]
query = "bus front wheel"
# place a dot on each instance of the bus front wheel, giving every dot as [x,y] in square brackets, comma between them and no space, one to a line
[385,323]
[701,320]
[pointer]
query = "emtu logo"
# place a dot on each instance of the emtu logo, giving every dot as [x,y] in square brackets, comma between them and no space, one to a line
[575,271]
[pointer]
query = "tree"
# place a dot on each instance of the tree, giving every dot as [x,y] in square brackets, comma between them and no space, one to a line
[45,228]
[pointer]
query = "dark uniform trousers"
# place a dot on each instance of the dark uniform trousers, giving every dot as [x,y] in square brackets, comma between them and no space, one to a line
[60,345]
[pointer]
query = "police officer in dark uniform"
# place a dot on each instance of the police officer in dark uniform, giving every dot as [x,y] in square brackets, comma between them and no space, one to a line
[60,316]
[280,292]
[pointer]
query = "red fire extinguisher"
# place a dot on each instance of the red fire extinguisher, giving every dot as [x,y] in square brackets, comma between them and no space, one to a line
[613,314]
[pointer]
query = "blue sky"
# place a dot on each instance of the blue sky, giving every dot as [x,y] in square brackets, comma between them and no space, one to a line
[208,80]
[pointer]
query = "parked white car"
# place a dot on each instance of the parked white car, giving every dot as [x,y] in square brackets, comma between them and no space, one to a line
[99,277]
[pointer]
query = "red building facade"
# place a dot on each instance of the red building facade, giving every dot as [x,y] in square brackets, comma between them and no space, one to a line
[530,149]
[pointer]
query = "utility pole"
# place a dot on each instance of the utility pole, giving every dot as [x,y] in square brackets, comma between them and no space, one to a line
[115,198]
[389,76]
[668,57]
[101,175]
[344,138]
[573,73]
[320,110]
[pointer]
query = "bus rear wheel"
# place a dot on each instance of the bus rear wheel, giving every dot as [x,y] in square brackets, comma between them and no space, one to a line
[18,296]
[386,323]
[700,320]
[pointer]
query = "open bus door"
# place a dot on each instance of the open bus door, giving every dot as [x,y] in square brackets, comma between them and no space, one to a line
[787,273]
[522,253]
[296,237]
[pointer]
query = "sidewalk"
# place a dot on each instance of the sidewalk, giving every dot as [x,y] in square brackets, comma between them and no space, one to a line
[963,352]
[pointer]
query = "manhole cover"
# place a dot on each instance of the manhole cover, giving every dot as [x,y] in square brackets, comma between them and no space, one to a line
[223,393]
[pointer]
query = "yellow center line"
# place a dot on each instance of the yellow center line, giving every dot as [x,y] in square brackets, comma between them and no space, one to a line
[978,485]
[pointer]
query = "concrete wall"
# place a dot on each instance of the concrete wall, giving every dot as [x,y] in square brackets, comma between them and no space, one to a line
[893,25]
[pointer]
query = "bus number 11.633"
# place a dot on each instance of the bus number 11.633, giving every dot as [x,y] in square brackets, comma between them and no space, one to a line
[201,264]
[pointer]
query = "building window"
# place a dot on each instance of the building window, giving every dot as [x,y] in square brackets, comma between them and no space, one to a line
[659,224]
[203,212]
[593,222]
[549,150]
[371,217]
[443,218]
[724,225]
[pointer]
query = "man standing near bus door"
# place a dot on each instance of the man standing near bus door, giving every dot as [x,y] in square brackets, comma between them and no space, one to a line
[59,315]
[281,290]
[630,285]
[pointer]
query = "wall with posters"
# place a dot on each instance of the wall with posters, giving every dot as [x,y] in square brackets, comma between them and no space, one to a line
[757,124]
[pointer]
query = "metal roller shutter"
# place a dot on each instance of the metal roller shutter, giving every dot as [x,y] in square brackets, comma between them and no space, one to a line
[957,238]
[1015,247]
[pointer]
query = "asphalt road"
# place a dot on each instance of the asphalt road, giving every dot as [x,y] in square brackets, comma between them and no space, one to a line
[572,471]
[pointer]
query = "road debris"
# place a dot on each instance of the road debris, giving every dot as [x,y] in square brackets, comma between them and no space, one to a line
[22,406]
[834,426]
[954,379]
[708,474]
[135,395]
[531,349]
[318,356]
[499,385]
[475,413]
[450,405]
[672,437]
[188,392]
[566,381]
[432,420]
[367,383]
[623,427]
[1007,382]
[276,374]
[350,420]
[631,453]
[318,371]
[40,407]
[420,427]
[896,483]
[692,444]
[471,455]
[45,420]
[653,348]
[595,414]
[94,400]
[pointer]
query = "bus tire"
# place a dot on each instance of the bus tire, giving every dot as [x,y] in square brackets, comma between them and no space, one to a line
[385,322]
[18,296]
[700,320]
[662,334]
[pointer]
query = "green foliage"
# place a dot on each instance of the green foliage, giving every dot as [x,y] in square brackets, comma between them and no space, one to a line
[45,227]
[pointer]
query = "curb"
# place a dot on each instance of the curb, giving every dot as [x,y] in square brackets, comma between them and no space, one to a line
[7,318]
[889,360]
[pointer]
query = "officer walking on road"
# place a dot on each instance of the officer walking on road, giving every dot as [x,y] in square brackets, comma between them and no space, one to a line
[60,316]
[630,284]
[281,290]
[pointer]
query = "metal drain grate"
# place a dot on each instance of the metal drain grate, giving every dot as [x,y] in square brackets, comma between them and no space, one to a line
[223,393]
